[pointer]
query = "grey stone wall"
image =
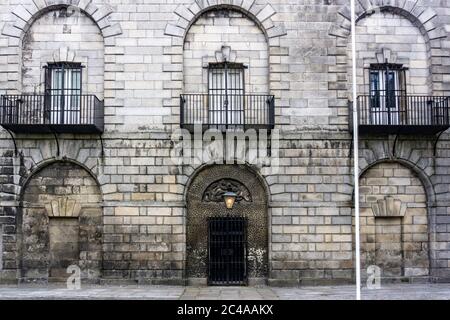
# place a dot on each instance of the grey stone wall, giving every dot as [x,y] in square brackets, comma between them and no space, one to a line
[60,224]
[146,68]
[63,36]
[233,29]
[387,36]
[395,221]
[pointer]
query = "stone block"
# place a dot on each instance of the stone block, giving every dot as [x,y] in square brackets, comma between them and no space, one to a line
[126,211]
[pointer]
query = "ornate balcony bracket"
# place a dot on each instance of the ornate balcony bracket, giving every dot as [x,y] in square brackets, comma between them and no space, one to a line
[438,137]
[55,135]
[101,145]
[394,147]
[16,151]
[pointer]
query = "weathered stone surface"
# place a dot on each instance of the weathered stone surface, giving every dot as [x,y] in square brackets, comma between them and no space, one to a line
[396,240]
[52,241]
[253,207]
[135,56]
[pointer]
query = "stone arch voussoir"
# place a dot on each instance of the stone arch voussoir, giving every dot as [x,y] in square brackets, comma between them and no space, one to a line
[421,174]
[260,13]
[25,15]
[424,18]
[193,172]
[48,162]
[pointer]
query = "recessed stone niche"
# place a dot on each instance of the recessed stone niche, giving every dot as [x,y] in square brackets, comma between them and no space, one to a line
[203,201]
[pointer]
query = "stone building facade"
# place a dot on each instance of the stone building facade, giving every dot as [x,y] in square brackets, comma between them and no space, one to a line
[110,199]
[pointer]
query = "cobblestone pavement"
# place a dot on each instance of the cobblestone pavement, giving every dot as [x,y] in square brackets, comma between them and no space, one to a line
[391,292]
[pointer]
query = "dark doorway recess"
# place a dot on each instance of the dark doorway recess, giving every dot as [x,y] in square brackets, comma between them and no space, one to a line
[227,251]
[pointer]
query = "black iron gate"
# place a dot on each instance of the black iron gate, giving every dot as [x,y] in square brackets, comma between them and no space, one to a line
[227,251]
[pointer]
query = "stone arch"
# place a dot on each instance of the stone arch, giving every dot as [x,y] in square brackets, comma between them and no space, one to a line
[395,221]
[423,18]
[48,162]
[59,223]
[409,49]
[261,13]
[27,14]
[423,177]
[254,206]
[205,44]
[205,166]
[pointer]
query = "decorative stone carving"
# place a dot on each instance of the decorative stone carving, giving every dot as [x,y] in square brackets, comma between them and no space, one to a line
[64,54]
[386,55]
[225,54]
[63,207]
[216,190]
[389,208]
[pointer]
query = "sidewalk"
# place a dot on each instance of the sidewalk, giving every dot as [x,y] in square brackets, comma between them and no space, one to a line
[391,292]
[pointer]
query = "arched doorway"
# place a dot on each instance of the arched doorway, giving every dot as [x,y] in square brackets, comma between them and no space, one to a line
[394,222]
[61,224]
[205,204]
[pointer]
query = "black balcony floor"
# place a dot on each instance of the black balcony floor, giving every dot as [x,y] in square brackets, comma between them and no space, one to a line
[402,129]
[225,128]
[53,128]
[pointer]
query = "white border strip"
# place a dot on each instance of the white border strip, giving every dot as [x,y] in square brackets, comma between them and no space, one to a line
[356,154]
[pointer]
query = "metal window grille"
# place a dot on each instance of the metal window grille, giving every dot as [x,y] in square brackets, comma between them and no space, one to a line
[63,93]
[226,88]
[227,251]
[387,93]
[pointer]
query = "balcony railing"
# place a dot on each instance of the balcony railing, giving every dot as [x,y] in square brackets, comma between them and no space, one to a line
[398,112]
[60,113]
[227,111]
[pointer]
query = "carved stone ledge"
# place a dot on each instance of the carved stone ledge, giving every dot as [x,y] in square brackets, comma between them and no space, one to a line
[389,208]
[63,207]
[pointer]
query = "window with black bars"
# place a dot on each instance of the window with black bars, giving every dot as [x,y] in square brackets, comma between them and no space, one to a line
[63,91]
[387,93]
[387,81]
[226,90]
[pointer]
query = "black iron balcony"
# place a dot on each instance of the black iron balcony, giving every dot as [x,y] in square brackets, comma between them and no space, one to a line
[399,113]
[42,113]
[227,111]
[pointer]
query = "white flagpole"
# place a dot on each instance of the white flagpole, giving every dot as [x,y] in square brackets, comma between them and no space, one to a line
[356,155]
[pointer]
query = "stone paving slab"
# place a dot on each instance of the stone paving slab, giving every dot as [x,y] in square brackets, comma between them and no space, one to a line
[130,292]
[387,292]
[91,293]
